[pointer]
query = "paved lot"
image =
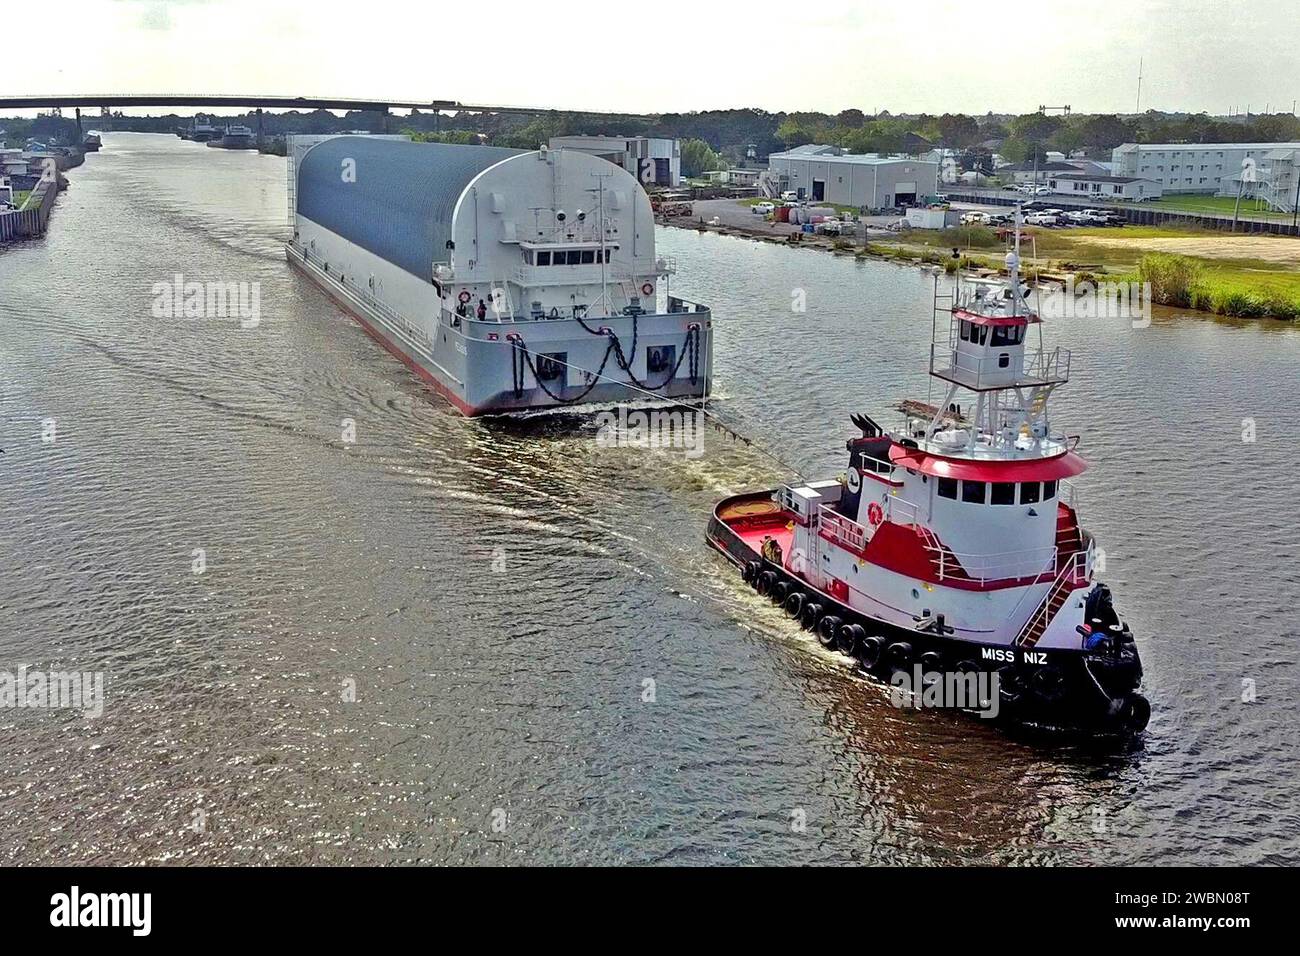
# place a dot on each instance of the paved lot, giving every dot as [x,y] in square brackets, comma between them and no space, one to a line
[737,215]
[732,214]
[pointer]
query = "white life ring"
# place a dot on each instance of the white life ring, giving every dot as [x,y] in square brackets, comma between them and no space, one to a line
[854,480]
[647,288]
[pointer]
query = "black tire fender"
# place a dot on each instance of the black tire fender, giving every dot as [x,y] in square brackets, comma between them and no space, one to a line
[899,654]
[850,639]
[1048,684]
[794,603]
[870,650]
[811,614]
[1134,712]
[828,631]
[931,662]
[1010,686]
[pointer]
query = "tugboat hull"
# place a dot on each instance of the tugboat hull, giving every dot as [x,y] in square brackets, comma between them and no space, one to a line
[1054,689]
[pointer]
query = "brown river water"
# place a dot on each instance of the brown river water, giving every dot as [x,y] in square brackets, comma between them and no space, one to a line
[432,644]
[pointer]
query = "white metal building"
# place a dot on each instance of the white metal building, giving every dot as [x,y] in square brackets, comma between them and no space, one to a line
[1109,188]
[734,177]
[865,181]
[653,161]
[1268,169]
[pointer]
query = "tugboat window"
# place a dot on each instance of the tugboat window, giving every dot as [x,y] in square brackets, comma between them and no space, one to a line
[1004,493]
[1008,335]
[575,257]
[1049,490]
[588,256]
[948,488]
[544,258]
[965,331]
[1029,492]
[972,492]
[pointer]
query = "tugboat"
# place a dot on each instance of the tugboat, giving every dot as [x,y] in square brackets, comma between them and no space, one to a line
[952,543]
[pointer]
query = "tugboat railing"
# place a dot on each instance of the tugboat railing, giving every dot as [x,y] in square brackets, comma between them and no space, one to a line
[843,530]
[1039,367]
[1070,574]
[993,566]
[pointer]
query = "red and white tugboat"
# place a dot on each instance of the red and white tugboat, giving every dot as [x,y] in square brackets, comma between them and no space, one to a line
[953,542]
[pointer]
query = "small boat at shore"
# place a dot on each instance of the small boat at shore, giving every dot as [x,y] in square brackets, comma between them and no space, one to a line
[951,549]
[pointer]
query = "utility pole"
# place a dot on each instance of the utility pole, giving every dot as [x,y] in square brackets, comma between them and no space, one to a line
[1137,107]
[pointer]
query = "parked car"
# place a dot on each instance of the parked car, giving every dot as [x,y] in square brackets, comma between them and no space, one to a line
[1042,219]
[789,196]
[975,218]
[1040,191]
[762,208]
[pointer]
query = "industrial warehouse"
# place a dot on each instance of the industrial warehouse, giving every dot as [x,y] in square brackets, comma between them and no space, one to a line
[864,181]
[506,279]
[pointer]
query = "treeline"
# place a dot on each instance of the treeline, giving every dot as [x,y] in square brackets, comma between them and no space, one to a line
[729,133]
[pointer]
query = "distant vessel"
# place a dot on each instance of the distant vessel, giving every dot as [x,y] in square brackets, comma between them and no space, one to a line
[951,545]
[92,142]
[235,137]
[200,129]
[507,280]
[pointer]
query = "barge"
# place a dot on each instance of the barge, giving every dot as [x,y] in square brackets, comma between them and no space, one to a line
[507,280]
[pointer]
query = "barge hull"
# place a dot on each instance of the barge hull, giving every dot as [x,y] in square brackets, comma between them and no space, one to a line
[471,365]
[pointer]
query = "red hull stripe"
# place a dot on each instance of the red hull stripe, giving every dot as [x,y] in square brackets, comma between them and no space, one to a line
[1041,469]
[977,319]
[460,404]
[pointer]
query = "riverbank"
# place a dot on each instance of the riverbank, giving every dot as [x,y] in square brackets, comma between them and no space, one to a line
[1245,276]
[31,217]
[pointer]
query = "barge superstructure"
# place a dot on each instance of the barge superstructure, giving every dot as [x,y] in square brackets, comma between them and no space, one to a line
[508,280]
[952,544]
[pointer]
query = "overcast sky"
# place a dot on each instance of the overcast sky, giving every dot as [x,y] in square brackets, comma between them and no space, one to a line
[669,55]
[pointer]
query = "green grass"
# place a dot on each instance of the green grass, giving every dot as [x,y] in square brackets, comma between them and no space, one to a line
[1235,287]
[1213,205]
